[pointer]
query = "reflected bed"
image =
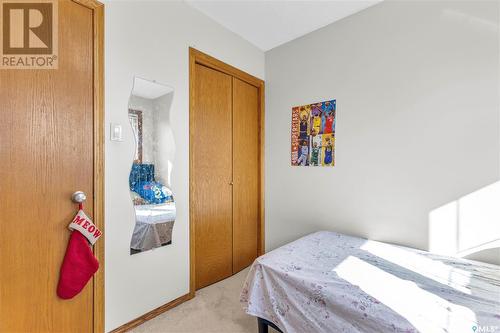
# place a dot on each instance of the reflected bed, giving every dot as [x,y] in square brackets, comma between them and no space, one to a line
[329,282]
[153,226]
[154,209]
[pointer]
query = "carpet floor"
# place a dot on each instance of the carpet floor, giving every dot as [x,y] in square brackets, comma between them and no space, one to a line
[215,308]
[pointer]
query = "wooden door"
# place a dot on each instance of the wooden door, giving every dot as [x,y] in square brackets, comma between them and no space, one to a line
[211,176]
[47,153]
[246,173]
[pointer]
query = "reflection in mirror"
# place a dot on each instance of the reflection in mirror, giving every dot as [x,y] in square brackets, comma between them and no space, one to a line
[149,181]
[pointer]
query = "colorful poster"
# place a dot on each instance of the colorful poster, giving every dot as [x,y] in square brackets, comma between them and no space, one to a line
[295,135]
[313,134]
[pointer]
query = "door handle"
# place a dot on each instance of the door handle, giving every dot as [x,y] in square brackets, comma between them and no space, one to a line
[231,183]
[79,197]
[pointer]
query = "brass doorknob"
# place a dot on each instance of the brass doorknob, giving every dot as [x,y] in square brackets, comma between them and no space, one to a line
[231,183]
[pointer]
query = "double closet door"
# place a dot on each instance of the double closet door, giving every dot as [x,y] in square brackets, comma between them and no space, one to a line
[225,174]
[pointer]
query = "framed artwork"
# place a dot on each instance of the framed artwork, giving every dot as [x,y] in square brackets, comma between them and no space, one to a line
[313,134]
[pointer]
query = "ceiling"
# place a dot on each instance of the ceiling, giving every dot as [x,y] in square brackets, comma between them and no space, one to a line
[149,89]
[267,24]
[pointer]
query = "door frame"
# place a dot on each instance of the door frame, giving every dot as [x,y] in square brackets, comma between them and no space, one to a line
[198,57]
[97,9]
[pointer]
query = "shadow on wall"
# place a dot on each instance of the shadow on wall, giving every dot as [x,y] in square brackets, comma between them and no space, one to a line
[469,226]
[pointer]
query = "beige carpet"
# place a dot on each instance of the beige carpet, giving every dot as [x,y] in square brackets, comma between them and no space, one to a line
[215,308]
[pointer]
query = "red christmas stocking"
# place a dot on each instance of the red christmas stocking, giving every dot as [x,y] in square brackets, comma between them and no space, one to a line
[78,266]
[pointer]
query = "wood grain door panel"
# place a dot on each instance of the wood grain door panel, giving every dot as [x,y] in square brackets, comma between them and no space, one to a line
[246,173]
[46,149]
[211,200]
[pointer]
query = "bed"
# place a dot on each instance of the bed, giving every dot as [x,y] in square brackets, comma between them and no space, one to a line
[154,209]
[329,282]
[153,226]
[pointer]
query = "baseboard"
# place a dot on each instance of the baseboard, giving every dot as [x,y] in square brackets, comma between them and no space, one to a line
[153,313]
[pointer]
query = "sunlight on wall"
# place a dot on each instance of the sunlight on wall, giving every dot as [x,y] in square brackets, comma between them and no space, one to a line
[467,225]
[443,233]
[424,310]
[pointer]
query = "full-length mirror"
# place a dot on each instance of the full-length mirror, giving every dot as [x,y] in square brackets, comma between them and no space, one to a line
[149,181]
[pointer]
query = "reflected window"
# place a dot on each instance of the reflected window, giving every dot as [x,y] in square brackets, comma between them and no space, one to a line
[149,180]
[135,117]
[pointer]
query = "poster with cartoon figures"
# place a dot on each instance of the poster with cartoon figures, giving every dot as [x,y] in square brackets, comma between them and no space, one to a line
[313,134]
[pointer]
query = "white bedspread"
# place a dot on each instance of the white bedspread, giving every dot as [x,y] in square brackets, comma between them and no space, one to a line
[159,213]
[328,282]
[153,226]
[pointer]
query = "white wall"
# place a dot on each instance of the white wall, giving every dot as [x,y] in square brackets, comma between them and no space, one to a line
[151,40]
[416,85]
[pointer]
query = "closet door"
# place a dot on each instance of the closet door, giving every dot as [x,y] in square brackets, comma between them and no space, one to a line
[211,163]
[246,173]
